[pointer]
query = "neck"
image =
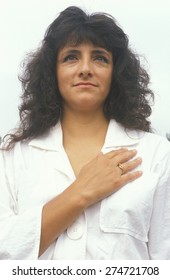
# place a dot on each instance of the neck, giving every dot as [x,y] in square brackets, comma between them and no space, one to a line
[79,125]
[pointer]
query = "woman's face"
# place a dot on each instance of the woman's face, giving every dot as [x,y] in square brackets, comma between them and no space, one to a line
[84,75]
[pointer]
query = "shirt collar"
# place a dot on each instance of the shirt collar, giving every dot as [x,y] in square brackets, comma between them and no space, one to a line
[52,140]
[117,136]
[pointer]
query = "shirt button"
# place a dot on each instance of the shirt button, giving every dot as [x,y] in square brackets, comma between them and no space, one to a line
[76,230]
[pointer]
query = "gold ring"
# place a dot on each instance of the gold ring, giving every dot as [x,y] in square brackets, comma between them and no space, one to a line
[121,168]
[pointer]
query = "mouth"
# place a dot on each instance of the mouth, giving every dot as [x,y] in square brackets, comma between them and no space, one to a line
[85,84]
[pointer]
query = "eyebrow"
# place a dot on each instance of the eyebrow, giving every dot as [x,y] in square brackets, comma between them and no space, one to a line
[72,51]
[95,51]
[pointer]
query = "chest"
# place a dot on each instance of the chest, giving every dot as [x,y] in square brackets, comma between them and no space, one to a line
[81,155]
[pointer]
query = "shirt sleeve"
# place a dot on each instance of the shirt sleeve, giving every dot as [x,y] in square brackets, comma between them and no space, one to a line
[19,233]
[159,234]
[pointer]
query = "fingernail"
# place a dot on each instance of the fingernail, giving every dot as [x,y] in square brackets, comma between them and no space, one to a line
[139,159]
[140,172]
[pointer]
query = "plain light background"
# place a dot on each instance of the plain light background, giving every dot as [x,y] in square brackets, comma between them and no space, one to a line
[146,22]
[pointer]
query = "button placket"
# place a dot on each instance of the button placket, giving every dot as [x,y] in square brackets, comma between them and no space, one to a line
[72,243]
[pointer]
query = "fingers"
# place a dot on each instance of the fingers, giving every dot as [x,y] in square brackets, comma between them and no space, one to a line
[132,164]
[123,160]
[124,156]
[130,176]
[129,165]
[121,155]
[114,153]
[127,173]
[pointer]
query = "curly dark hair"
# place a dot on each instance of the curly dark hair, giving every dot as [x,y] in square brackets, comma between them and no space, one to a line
[41,106]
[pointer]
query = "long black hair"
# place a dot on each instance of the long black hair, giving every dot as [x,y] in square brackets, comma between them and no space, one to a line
[41,106]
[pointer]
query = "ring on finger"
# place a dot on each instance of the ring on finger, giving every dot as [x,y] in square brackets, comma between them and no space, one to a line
[120,166]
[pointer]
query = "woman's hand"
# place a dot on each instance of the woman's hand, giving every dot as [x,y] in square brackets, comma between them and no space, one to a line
[102,176]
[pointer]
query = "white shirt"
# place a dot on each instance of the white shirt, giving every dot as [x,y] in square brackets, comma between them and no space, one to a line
[133,223]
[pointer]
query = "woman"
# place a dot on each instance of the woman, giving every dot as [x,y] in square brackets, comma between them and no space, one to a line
[83,177]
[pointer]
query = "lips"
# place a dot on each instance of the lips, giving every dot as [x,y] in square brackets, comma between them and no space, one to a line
[85,84]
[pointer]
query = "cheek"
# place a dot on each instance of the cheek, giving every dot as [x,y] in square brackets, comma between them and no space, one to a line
[107,80]
[62,79]
[64,75]
[59,74]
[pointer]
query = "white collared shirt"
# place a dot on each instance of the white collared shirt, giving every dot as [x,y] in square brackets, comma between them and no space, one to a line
[133,223]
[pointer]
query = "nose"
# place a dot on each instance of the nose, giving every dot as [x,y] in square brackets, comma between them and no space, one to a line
[85,70]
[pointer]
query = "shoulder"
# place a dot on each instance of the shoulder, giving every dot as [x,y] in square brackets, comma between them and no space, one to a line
[13,155]
[121,136]
[154,141]
[25,151]
[155,151]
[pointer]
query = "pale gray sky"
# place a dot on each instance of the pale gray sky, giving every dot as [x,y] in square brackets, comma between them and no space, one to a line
[23,24]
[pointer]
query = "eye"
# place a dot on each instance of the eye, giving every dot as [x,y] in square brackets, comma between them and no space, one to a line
[101,58]
[70,57]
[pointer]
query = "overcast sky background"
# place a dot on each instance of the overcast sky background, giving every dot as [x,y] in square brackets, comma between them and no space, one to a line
[146,22]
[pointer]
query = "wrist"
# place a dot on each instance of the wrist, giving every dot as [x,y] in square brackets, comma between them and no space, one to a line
[78,194]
